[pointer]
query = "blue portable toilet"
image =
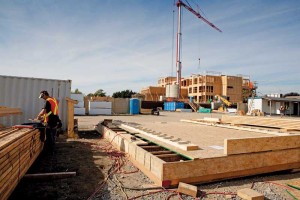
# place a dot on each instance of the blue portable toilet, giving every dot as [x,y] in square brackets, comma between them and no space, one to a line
[134,106]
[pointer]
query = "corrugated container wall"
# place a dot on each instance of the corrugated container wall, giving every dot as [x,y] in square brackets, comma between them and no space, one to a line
[22,92]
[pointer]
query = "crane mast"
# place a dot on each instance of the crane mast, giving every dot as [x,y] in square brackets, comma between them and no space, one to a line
[179,38]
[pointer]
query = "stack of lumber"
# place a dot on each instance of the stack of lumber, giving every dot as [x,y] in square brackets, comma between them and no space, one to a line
[287,124]
[4,111]
[19,147]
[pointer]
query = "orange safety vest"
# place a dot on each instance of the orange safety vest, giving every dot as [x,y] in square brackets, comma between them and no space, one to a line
[54,108]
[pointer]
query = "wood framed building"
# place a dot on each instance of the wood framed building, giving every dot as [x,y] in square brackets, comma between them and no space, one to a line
[204,88]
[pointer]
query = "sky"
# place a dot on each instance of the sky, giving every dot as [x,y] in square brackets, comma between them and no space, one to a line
[116,45]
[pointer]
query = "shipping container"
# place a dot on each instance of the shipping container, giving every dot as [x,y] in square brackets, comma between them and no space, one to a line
[23,92]
[172,106]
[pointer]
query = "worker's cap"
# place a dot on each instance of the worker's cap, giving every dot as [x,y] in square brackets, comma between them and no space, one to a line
[43,93]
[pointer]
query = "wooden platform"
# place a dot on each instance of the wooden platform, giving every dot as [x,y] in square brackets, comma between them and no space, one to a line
[4,111]
[214,161]
[18,150]
[280,123]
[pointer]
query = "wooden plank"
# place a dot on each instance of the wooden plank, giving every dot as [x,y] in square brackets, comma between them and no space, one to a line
[50,176]
[249,194]
[9,111]
[70,128]
[16,178]
[14,154]
[10,144]
[250,145]
[187,189]
[18,151]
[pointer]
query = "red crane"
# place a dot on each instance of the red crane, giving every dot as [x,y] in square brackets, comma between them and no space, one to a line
[178,48]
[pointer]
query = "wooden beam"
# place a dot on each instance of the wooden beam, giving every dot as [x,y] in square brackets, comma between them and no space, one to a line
[50,176]
[9,111]
[70,129]
[187,189]
[250,145]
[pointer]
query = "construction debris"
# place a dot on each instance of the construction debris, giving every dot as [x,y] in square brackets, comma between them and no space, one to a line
[249,194]
[187,189]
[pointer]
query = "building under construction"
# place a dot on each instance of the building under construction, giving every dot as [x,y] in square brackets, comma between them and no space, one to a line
[203,88]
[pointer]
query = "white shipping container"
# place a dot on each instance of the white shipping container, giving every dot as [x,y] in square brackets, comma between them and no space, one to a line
[79,111]
[78,97]
[80,104]
[99,111]
[100,104]
[23,92]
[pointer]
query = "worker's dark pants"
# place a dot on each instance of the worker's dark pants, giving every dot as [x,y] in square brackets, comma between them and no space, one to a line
[50,139]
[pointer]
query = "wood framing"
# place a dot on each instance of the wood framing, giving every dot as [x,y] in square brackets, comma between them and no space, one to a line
[176,142]
[166,169]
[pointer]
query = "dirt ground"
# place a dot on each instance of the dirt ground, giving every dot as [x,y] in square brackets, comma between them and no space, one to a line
[94,161]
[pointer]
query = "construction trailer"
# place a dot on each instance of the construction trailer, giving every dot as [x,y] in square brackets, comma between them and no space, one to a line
[271,105]
[23,93]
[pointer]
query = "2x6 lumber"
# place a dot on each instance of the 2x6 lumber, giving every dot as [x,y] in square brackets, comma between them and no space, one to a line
[251,145]
[13,182]
[16,153]
[10,144]
[15,168]
[17,164]
[14,137]
[249,194]
[50,176]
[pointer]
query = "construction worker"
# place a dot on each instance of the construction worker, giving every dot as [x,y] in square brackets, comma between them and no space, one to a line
[50,119]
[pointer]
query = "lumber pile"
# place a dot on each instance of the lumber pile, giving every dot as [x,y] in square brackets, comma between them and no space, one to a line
[285,124]
[4,111]
[19,147]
